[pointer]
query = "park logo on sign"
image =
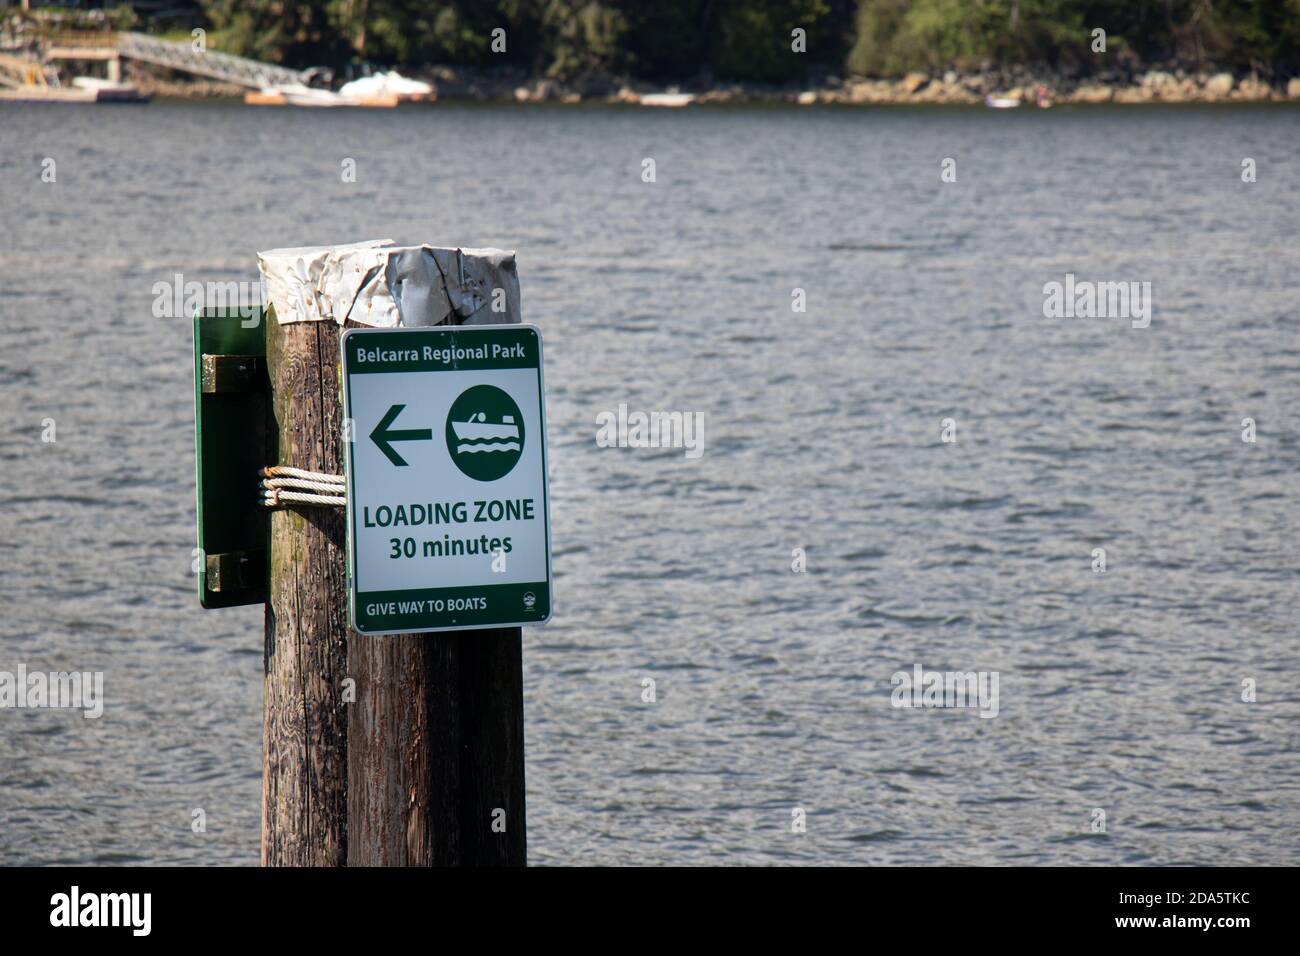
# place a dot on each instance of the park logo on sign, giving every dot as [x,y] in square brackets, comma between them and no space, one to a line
[485,433]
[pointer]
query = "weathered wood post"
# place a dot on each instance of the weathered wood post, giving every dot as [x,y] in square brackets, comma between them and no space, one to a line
[305,721]
[397,750]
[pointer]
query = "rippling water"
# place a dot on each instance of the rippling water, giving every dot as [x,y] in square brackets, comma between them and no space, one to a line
[1119,691]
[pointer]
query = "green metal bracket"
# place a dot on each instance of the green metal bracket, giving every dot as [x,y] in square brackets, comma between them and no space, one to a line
[232,441]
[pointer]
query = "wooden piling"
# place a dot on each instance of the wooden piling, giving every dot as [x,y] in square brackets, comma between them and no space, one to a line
[426,766]
[304,717]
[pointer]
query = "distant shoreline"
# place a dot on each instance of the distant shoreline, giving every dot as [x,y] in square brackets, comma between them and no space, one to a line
[915,89]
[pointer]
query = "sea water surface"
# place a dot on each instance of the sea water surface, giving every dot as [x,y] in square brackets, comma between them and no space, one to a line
[1120,691]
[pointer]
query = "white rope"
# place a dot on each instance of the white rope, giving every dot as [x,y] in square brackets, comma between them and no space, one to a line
[277,497]
[285,471]
[282,484]
[297,484]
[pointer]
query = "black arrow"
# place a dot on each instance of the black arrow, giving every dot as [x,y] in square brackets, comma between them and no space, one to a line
[382,435]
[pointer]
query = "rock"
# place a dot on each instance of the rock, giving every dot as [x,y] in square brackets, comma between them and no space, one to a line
[870,91]
[1133,94]
[1161,85]
[1293,88]
[146,81]
[1253,88]
[807,98]
[522,94]
[1157,80]
[1219,85]
[913,82]
[856,91]
[950,78]
[945,92]
[1093,94]
[1173,90]
[726,94]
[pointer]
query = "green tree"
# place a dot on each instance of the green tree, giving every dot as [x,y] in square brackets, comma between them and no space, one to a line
[583,37]
[753,38]
[895,36]
[291,33]
[669,39]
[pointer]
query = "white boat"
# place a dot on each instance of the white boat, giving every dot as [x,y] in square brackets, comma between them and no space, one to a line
[391,83]
[1001,102]
[84,89]
[667,99]
[299,95]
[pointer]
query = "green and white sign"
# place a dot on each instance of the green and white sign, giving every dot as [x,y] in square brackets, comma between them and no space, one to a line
[448,519]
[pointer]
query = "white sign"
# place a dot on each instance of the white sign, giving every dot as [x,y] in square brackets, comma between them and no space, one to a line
[448,520]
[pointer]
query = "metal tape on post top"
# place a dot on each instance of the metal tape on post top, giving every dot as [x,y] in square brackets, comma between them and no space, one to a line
[383,285]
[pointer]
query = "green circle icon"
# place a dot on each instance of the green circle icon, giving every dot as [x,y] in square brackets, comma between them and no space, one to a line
[485,433]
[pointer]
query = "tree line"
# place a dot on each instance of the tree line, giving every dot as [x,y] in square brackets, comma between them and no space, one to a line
[774,41]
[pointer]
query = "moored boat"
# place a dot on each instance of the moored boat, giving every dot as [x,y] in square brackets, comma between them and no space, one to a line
[671,100]
[78,93]
[109,91]
[300,95]
[381,87]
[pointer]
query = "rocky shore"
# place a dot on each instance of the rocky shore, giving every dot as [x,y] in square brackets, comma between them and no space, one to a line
[950,88]
[178,85]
